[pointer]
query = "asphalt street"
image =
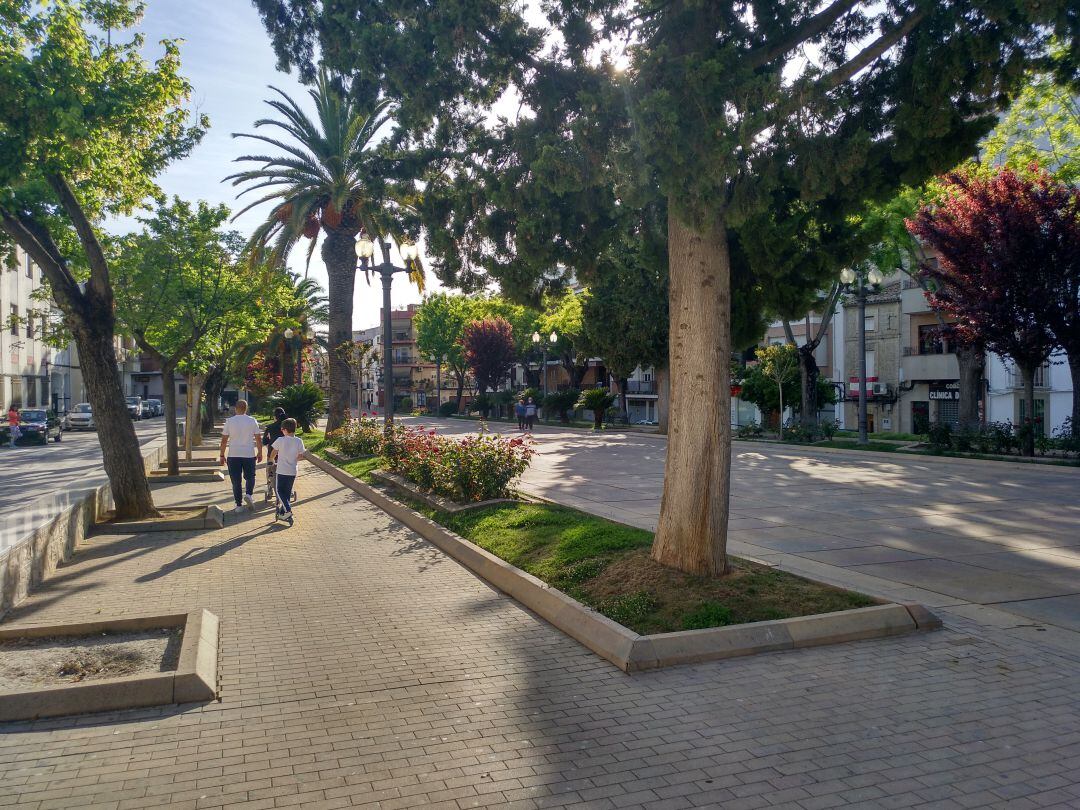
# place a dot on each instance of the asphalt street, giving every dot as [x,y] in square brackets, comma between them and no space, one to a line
[30,473]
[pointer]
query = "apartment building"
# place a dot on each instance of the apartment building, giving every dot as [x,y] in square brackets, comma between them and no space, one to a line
[25,359]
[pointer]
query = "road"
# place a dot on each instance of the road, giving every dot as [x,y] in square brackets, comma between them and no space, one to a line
[30,473]
[966,535]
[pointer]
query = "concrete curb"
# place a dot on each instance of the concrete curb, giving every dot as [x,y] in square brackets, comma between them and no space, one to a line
[194,679]
[190,476]
[211,518]
[340,459]
[434,501]
[626,649]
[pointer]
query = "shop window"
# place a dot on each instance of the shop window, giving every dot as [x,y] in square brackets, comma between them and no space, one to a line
[948,413]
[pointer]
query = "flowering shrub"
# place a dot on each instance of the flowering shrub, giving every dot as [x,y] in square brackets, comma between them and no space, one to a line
[474,468]
[358,437]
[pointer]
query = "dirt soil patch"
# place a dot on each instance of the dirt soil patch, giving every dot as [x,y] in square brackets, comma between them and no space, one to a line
[33,663]
[166,514]
[647,597]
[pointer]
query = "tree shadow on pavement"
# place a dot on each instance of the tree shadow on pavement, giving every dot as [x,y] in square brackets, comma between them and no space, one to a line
[199,556]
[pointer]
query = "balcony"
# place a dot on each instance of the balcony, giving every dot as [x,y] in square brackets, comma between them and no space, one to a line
[641,386]
[918,367]
[1015,379]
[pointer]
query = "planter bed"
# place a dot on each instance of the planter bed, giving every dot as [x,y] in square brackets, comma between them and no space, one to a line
[436,502]
[172,520]
[169,659]
[594,580]
[338,458]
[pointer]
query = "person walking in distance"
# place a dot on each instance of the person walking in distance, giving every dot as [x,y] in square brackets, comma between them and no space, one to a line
[286,452]
[519,411]
[13,425]
[243,437]
[530,414]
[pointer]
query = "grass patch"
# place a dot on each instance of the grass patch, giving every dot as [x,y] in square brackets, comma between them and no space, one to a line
[877,447]
[884,436]
[607,566]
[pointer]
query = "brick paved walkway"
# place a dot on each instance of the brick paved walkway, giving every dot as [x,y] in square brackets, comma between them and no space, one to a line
[360,667]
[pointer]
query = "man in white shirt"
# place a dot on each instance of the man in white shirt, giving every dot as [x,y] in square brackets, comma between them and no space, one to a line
[243,436]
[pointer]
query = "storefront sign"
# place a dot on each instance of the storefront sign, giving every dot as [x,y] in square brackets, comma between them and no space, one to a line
[947,391]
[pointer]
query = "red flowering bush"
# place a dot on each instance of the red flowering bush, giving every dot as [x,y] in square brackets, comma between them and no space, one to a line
[474,468]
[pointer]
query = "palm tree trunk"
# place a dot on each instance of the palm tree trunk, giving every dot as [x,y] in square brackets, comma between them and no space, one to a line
[339,256]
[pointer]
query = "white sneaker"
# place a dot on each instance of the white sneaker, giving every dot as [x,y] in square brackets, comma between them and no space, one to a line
[239,510]
[249,502]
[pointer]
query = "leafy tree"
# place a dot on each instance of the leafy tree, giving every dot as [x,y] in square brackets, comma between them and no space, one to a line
[440,326]
[563,315]
[780,363]
[522,319]
[1006,245]
[488,346]
[597,400]
[328,178]
[625,315]
[1042,126]
[85,126]
[723,114]
[763,391]
[174,283]
[303,402]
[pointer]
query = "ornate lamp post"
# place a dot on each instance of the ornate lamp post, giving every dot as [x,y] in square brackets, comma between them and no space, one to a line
[552,339]
[365,249]
[860,277]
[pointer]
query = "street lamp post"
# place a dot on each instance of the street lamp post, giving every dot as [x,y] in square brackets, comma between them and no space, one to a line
[860,277]
[365,249]
[552,339]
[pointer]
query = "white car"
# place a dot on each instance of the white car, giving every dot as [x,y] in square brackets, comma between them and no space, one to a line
[81,417]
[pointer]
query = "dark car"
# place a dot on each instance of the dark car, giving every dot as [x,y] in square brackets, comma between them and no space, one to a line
[36,425]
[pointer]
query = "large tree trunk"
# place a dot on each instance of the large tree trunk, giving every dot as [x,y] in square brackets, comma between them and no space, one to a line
[460,377]
[691,534]
[663,399]
[196,410]
[808,387]
[339,256]
[623,383]
[215,384]
[438,385]
[168,393]
[972,362]
[1074,372]
[1028,429]
[286,364]
[116,433]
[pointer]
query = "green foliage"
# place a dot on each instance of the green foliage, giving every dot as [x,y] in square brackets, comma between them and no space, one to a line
[405,404]
[358,437]
[597,400]
[440,323]
[707,614]
[940,436]
[447,409]
[628,609]
[559,402]
[751,430]
[303,402]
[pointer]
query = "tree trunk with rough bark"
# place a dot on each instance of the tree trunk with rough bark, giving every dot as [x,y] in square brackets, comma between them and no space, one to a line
[339,256]
[168,393]
[1073,356]
[116,432]
[196,410]
[808,387]
[460,377]
[1028,429]
[663,399]
[285,363]
[971,361]
[691,534]
[623,384]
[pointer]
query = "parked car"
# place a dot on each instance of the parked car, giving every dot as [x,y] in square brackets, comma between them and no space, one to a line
[37,425]
[147,409]
[134,407]
[159,409]
[81,417]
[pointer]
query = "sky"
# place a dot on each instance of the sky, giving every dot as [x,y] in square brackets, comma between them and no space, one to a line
[226,55]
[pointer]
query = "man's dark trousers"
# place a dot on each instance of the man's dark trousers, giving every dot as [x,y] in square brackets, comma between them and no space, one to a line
[238,467]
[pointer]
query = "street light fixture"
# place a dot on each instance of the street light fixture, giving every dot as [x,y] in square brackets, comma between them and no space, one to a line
[365,250]
[552,339]
[860,277]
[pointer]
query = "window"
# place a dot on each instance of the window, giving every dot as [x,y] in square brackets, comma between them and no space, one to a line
[1040,415]
[31,392]
[29,265]
[870,324]
[30,326]
[930,341]
[14,320]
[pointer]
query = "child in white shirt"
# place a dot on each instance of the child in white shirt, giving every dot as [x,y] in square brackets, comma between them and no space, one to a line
[286,451]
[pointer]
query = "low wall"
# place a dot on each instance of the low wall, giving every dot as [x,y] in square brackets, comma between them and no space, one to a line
[44,534]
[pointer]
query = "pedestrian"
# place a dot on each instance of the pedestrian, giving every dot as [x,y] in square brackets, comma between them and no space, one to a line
[243,437]
[270,435]
[530,413]
[286,452]
[13,425]
[519,411]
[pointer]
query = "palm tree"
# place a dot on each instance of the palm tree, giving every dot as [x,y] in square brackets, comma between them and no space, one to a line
[330,178]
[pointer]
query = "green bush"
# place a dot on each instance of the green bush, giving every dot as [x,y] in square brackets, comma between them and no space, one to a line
[751,430]
[448,408]
[559,402]
[707,614]
[482,404]
[303,402]
[940,436]
[358,437]
[597,400]
[405,405]
[1065,440]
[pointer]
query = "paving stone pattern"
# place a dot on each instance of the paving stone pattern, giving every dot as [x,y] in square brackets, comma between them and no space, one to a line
[362,668]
